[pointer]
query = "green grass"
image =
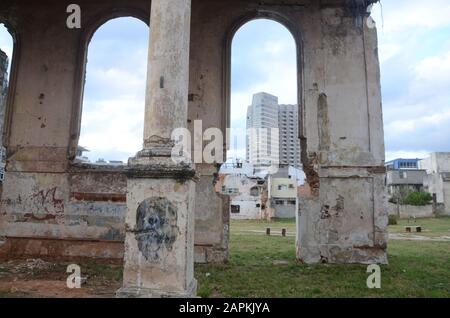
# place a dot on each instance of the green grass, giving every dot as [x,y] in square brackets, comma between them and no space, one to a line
[416,269]
[245,225]
[430,227]
[265,266]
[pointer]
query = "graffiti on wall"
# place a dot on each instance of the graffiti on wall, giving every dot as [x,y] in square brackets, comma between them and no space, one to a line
[156,227]
[43,205]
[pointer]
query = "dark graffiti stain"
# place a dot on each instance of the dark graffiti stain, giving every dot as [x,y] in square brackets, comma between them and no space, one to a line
[325,212]
[339,207]
[156,227]
[99,197]
[41,98]
[43,218]
[46,204]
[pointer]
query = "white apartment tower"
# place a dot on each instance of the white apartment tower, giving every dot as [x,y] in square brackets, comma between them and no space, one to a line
[289,137]
[262,130]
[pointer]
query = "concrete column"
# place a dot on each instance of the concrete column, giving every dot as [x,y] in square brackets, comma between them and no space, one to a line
[168,71]
[159,243]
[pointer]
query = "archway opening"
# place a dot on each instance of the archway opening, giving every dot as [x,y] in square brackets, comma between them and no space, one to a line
[6,56]
[263,171]
[114,93]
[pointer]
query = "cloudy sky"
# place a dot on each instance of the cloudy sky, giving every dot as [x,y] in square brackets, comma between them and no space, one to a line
[414,46]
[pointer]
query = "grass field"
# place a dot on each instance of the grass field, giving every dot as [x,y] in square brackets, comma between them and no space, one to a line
[265,266]
[439,227]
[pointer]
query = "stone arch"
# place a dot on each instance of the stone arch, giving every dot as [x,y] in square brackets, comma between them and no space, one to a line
[234,28]
[80,73]
[297,34]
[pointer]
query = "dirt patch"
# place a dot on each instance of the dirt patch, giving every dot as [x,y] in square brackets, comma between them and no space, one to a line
[37,278]
[412,237]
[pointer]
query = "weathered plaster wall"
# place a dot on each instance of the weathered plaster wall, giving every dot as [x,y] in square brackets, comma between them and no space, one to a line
[409,211]
[437,180]
[343,219]
[43,130]
[80,206]
[284,211]
[342,131]
[211,218]
[249,209]
[447,197]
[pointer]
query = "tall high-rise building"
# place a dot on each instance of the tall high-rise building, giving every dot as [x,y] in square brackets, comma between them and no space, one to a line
[262,130]
[289,137]
[272,132]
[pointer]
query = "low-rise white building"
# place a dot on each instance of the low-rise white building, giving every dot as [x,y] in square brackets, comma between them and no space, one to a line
[256,194]
[246,195]
[283,192]
[437,180]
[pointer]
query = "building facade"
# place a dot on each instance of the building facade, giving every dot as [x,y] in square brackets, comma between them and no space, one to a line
[399,164]
[404,176]
[437,179]
[405,180]
[288,130]
[246,189]
[283,194]
[263,131]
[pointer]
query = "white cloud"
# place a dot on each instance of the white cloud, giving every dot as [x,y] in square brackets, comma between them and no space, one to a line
[406,15]
[119,81]
[389,51]
[6,42]
[434,70]
[114,100]
[275,48]
[114,126]
[414,53]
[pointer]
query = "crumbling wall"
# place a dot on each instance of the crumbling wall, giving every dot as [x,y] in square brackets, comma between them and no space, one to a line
[211,220]
[347,221]
[51,204]
[54,211]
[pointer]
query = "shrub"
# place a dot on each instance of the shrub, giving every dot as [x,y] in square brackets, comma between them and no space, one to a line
[393,220]
[393,200]
[418,198]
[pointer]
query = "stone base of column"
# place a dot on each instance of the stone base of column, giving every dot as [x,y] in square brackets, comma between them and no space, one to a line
[136,292]
[159,227]
[348,222]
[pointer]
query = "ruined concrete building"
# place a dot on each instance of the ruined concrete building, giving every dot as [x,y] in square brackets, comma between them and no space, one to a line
[51,206]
